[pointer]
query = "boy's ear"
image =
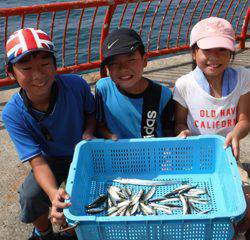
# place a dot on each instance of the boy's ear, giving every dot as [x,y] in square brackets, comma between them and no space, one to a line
[11,75]
[194,55]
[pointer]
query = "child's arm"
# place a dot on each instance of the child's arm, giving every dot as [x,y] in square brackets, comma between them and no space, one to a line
[242,127]
[44,176]
[90,127]
[46,179]
[181,128]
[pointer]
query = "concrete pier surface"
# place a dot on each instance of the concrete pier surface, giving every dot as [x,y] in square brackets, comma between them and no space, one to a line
[13,172]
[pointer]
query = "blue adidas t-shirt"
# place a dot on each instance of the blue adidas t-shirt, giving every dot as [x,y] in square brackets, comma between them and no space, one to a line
[65,123]
[123,112]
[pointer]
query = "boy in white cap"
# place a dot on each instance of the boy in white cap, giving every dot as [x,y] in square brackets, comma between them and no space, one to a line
[214,97]
[48,116]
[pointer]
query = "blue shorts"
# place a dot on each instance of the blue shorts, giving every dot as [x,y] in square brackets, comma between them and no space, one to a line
[34,201]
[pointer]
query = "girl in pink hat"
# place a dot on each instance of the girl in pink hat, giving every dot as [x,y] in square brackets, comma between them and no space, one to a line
[214,97]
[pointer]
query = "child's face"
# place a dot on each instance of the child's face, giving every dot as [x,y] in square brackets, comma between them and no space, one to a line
[213,61]
[126,70]
[35,73]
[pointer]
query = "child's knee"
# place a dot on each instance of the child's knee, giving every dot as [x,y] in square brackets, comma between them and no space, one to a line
[244,225]
[32,206]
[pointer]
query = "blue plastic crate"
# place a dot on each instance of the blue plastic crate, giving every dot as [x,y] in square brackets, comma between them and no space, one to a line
[197,160]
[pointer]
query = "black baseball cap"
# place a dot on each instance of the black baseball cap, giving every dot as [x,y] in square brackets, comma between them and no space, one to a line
[120,41]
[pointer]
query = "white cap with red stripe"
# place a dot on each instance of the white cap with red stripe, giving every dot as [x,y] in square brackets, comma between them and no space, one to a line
[27,40]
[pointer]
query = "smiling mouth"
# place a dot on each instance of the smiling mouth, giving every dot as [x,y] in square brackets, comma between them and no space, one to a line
[214,65]
[125,78]
[40,84]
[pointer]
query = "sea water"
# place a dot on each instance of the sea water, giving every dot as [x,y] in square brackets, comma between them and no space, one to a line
[70,41]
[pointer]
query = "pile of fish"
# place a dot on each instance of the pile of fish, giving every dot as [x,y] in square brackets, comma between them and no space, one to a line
[121,201]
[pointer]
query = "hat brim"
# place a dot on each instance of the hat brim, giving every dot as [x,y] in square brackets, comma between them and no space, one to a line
[216,42]
[122,50]
[106,59]
[18,58]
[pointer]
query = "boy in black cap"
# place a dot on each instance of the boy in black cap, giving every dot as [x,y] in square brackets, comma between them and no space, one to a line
[128,104]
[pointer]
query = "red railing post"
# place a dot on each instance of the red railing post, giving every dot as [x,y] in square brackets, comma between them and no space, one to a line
[244,30]
[105,30]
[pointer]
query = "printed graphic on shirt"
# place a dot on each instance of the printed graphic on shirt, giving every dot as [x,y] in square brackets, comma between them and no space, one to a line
[150,110]
[150,123]
[216,119]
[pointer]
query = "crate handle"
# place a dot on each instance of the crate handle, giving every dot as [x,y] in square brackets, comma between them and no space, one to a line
[65,229]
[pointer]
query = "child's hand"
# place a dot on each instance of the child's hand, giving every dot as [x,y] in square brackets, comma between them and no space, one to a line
[184,133]
[113,137]
[88,136]
[58,204]
[233,141]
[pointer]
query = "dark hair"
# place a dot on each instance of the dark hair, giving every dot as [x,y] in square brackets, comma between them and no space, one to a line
[141,49]
[195,47]
[10,65]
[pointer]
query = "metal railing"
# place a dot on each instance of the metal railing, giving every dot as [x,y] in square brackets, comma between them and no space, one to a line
[78,29]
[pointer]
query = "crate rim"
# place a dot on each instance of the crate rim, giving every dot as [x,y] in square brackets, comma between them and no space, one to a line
[72,219]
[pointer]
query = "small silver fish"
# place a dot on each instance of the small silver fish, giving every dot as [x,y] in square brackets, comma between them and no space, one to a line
[115,188]
[199,201]
[124,203]
[177,190]
[112,210]
[194,207]
[95,210]
[121,209]
[147,210]
[114,197]
[122,195]
[198,191]
[157,199]
[162,208]
[191,195]
[141,182]
[123,212]
[125,193]
[110,204]
[128,212]
[113,214]
[97,202]
[149,194]
[185,205]
[134,208]
[184,190]
[173,206]
[205,211]
[169,200]
[129,191]
[137,197]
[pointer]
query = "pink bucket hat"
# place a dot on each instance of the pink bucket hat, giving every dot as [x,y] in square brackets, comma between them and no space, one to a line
[213,32]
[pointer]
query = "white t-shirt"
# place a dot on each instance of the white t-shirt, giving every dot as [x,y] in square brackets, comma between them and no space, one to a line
[207,114]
